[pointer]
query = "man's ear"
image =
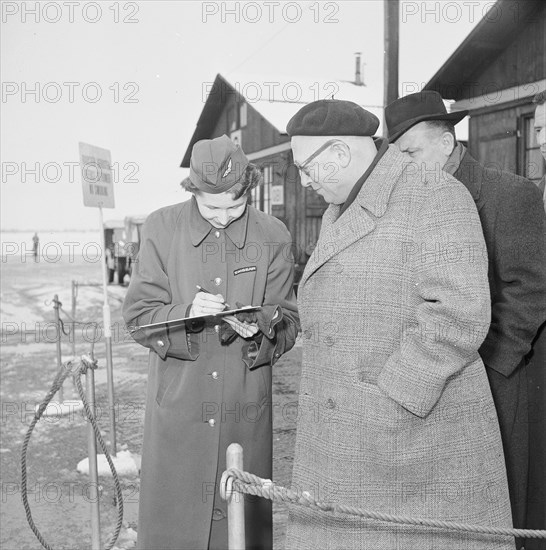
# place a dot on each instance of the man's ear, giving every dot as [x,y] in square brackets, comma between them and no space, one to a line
[343,153]
[447,143]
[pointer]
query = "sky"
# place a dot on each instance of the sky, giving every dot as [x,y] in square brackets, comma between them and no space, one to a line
[131,77]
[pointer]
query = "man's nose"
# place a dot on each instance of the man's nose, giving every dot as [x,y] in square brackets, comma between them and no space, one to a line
[305,179]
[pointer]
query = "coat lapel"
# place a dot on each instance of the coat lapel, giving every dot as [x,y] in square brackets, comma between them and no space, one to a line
[338,233]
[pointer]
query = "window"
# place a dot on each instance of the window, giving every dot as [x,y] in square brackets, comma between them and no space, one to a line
[261,195]
[231,120]
[242,115]
[531,161]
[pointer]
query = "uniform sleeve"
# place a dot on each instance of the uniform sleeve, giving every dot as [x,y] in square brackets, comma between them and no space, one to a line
[451,299]
[519,306]
[278,319]
[149,298]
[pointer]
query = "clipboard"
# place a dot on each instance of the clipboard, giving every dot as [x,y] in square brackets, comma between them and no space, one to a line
[195,318]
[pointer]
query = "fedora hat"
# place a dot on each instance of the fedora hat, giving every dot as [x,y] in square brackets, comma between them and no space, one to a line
[403,113]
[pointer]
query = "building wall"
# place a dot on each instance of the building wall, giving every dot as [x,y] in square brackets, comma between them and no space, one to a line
[523,61]
[504,139]
[256,134]
[301,209]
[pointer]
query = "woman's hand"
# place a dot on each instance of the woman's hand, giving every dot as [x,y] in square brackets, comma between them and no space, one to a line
[246,330]
[207,304]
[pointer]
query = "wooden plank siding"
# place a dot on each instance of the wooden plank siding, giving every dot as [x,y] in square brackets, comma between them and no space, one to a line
[497,139]
[523,60]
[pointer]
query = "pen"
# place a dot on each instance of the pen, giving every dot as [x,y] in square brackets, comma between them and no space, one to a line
[203,289]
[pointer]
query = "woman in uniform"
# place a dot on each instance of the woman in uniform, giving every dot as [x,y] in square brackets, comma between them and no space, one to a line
[209,382]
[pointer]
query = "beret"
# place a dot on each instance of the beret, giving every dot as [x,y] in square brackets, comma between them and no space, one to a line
[332,117]
[216,165]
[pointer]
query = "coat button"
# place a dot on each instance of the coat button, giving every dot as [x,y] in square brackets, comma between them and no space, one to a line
[160,343]
[330,403]
[329,341]
[277,355]
[308,334]
[217,281]
[212,422]
[214,375]
[217,234]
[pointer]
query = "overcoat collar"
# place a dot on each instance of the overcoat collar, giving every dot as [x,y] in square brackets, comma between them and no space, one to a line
[200,228]
[339,232]
[471,174]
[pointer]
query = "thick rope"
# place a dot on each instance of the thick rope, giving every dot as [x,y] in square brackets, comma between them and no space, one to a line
[60,377]
[246,482]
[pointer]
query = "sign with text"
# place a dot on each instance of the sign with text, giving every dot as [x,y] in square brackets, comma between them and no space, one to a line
[97,179]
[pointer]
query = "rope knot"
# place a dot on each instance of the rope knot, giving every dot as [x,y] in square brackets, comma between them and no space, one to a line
[88,363]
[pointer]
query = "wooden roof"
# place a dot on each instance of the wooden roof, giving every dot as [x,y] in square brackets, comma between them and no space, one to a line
[273,106]
[492,35]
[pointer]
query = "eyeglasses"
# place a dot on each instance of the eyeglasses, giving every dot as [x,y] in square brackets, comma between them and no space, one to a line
[303,166]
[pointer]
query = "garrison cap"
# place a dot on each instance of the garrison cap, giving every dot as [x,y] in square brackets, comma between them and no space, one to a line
[332,117]
[217,164]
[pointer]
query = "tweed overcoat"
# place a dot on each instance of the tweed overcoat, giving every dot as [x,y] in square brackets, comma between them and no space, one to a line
[395,411]
[203,395]
[513,222]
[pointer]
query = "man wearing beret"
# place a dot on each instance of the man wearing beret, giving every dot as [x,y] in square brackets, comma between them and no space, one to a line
[513,221]
[209,381]
[394,304]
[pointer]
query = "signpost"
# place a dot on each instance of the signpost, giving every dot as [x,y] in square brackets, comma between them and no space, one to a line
[98,192]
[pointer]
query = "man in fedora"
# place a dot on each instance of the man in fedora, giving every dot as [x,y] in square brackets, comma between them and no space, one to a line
[513,222]
[391,376]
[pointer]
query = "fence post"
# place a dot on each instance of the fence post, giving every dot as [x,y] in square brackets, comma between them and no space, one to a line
[74,294]
[236,502]
[56,306]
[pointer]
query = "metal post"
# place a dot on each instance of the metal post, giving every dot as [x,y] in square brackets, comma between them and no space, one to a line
[73,310]
[92,454]
[391,55]
[236,502]
[108,340]
[56,305]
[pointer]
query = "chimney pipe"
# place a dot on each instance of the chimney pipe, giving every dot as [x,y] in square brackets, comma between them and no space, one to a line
[358,79]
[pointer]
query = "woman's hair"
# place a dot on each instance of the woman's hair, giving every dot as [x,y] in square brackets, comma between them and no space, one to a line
[251,178]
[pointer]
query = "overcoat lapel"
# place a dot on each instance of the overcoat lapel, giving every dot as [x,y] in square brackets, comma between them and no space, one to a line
[338,233]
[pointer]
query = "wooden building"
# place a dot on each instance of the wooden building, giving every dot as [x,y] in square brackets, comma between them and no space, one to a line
[253,110]
[494,74]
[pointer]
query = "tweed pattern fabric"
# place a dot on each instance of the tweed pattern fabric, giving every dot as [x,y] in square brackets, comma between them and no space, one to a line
[395,411]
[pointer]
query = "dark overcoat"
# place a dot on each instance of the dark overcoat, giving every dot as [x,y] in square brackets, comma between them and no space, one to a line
[513,221]
[536,496]
[395,411]
[203,395]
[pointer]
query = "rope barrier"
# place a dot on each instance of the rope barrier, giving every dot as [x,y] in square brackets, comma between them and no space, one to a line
[60,377]
[245,482]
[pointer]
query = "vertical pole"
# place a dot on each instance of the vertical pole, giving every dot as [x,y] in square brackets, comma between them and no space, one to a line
[236,502]
[73,311]
[92,454]
[108,340]
[390,65]
[58,342]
